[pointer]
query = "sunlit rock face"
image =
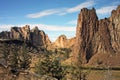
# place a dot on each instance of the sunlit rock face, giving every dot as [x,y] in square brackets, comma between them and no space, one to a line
[35,36]
[95,36]
[63,42]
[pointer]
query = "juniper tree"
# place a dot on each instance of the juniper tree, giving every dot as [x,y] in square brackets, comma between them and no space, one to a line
[50,67]
[15,57]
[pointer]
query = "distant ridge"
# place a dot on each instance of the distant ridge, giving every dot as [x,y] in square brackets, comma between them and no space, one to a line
[35,36]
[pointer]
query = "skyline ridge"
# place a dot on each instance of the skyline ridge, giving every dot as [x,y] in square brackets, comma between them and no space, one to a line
[64,16]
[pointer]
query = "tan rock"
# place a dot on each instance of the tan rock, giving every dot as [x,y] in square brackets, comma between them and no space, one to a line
[63,42]
[20,33]
[35,36]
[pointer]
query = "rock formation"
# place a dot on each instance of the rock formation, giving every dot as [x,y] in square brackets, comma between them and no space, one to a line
[20,33]
[95,41]
[63,42]
[39,38]
[35,36]
[95,36]
[86,29]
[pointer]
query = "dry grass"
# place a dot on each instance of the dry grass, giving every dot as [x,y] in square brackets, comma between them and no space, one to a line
[112,60]
[103,75]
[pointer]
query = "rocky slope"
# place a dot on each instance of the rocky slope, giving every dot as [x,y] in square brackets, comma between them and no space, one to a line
[35,36]
[97,38]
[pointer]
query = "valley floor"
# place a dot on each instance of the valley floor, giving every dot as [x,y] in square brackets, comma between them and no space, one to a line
[104,75]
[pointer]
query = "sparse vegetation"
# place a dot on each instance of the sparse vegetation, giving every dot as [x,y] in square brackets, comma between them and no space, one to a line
[50,66]
[15,58]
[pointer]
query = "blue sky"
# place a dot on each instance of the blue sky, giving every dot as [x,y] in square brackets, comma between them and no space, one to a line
[55,17]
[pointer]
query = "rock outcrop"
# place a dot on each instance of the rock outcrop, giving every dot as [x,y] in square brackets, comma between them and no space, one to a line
[39,38]
[19,33]
[95,36]
[35,36]
[63,42]
[85,32]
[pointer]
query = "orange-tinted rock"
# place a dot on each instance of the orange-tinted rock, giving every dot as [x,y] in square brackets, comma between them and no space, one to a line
[63,42]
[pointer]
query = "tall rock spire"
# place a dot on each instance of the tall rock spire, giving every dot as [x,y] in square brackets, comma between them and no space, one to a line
[95,36]
[86,29]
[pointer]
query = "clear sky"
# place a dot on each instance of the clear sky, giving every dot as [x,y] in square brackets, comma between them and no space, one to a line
[55,17]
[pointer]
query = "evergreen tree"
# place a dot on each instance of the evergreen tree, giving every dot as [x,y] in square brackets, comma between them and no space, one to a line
[51,67]
[24,57]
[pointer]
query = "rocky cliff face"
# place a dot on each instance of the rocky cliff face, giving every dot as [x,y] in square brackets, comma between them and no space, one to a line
[95,36]
[63,42]
[39,38]
[85,32]
[20,33]
[35,36]
[114,28]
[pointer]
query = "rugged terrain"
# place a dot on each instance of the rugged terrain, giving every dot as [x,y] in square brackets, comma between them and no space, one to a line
[96,45]
[98,40]
[35,36]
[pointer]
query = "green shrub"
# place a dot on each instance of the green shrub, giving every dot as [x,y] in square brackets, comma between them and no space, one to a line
[51,67]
